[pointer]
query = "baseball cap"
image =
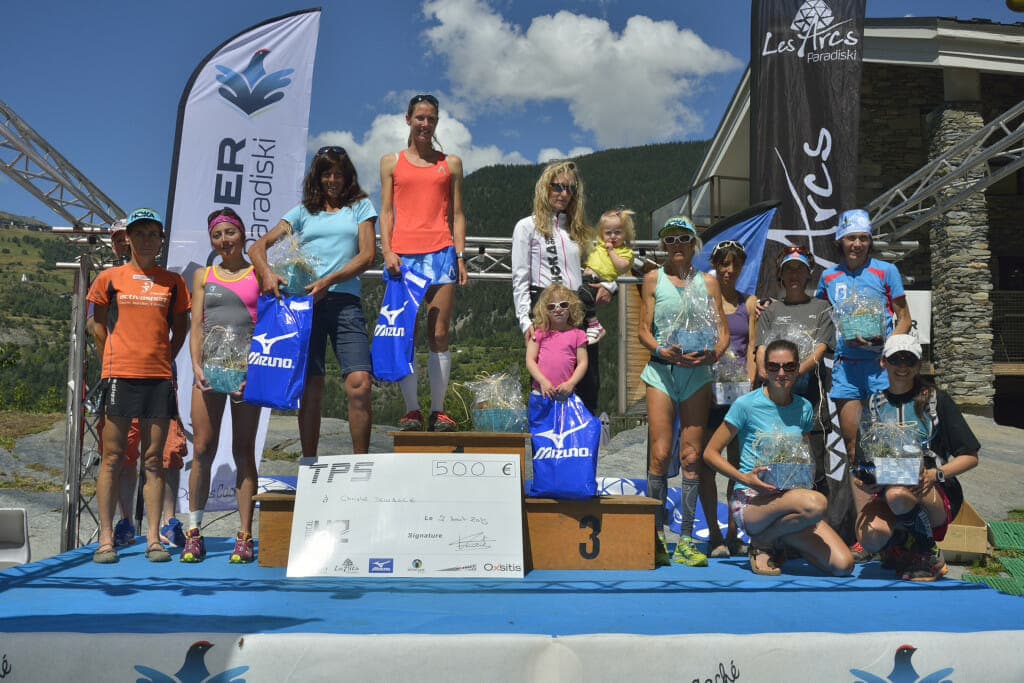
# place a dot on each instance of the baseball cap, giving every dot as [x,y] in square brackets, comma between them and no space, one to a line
[902,342]
[795,256]
[854,220]
[677,223]
[120,225]
[144,215]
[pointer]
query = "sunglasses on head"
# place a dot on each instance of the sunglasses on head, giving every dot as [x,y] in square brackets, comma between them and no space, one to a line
[785,367]
[902,359]
[728,244]
[430,99]
[559,188]
[331,148]
[558,304]
[796,250]
[677,239]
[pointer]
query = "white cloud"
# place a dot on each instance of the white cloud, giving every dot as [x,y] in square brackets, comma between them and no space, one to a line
[551,153]
[389,133]
[627,88]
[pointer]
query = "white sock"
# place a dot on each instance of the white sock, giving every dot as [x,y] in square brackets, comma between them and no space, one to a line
[440,366]
[408,385]
[195,519]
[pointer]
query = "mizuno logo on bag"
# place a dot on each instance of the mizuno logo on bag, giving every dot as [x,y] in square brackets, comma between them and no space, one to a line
[558,438]
[391,314]
[267,343]
[548,453]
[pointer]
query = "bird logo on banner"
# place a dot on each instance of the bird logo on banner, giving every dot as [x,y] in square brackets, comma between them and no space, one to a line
[254,88]
[903,671]
[193,670]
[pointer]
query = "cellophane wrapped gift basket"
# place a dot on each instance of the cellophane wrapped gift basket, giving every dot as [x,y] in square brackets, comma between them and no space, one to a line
[694,329]
[788,459]
[225,358]
[288,259]
[731,381]
[498,402]
[861,314]
[893,449]
[796,333]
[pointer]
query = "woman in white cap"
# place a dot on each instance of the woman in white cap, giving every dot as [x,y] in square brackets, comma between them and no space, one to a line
[856,373]
[904,522]
[678,380]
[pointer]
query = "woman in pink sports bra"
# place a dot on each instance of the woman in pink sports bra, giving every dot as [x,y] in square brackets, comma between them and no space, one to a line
[422,227]
[223,295]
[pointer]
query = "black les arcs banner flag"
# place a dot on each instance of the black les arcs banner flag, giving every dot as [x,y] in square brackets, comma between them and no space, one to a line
[805,113]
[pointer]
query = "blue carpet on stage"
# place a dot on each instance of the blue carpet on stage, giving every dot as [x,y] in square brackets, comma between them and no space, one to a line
[69,593]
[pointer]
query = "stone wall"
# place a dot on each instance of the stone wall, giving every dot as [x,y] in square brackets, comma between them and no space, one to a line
[961,276]
[894,142]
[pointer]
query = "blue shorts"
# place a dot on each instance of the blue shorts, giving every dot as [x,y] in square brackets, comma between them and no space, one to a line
[857,378]
[439,267]
[340,317]
[676,382]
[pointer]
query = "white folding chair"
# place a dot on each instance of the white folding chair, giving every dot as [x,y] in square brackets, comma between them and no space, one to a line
[14,545]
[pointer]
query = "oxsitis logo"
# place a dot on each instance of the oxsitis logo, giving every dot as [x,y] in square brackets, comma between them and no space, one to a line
[818,35]
[253,89]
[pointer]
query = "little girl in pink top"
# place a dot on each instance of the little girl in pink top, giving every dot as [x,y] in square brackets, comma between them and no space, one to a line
[556,352]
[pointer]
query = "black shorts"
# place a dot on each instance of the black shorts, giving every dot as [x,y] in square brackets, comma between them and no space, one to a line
[146,399]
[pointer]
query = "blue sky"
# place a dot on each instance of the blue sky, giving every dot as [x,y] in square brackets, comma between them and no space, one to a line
[519,81]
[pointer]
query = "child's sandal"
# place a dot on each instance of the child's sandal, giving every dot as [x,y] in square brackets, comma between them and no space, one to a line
[759,555]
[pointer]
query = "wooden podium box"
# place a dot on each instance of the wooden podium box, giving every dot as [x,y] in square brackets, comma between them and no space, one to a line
[275,532]
[610,532]
[464,442]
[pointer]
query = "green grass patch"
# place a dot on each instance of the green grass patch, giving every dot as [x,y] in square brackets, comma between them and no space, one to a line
[284,456]
[15,424]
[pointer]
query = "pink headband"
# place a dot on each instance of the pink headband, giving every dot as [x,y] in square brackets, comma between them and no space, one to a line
[226,219]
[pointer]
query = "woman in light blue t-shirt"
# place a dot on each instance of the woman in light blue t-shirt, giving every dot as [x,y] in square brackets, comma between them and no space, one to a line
[774,518]
[335,226]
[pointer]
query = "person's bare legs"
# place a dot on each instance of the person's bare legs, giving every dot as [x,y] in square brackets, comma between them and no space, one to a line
[309,415]
[244,421]
[154,436]
[358,386]
[115,439]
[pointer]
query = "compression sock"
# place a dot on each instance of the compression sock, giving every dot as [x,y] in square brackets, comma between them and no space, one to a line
[688,507]
[408,385]
[916,522]
[440,367]
[657,488]
[195,519]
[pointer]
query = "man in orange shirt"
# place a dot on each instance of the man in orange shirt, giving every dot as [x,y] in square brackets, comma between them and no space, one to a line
[141,315]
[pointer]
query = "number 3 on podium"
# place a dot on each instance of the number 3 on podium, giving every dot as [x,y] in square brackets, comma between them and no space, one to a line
[594,524]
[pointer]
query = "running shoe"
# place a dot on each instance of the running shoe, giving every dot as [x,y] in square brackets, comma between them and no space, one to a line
[195,547]
[860,556]
[687,554]
[661,556]
[411,421]
[244,549]
[595,332]
[441,422]
[124,533]
[926,567]
[172,534]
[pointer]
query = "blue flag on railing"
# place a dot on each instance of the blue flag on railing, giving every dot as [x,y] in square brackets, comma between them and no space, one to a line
[752,233]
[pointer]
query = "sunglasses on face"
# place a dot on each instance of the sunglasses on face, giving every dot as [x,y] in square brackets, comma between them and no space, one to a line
[430,99]
[785,367]
[558,304]
[559,188]
[677,239]
[331,148]
[904,360]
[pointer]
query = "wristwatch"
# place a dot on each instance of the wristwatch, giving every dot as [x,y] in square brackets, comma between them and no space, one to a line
[461,256]
[940,476]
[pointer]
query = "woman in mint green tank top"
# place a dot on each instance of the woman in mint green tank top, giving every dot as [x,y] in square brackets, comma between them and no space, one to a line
[678,376]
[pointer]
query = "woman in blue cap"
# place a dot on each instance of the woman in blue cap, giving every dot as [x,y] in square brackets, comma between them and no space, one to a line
[857,372]
[678,380]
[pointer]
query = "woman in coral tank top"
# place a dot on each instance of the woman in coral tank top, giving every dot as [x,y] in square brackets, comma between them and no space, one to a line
[422,227]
